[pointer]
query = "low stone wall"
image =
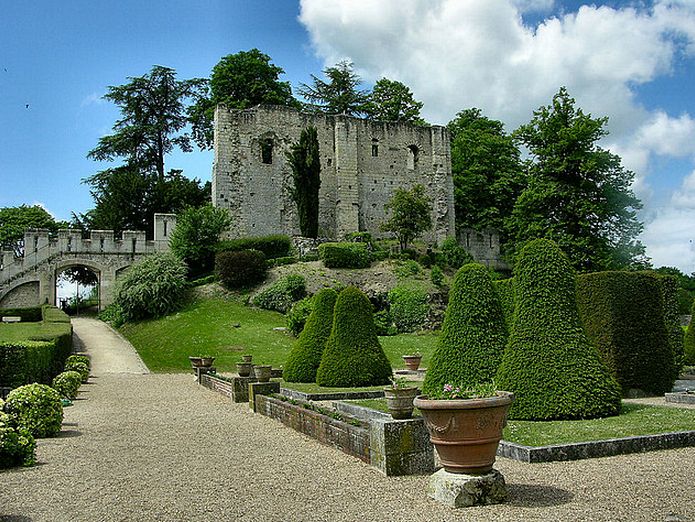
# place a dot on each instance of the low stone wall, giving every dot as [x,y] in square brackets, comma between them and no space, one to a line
[236,389]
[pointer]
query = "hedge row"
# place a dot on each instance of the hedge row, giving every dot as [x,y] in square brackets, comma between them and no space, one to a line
[28,315]
[40,358]
[345,255]
[236,269]
[273,246]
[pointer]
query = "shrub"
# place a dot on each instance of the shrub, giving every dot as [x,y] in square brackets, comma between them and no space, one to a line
[669,292]
[353,355]
[505,291]
[454,255]
[79,367]
[17,446]
[689,340]
[36,408]
[344,255]
[152,287]
[409,308]
[297,315]
[549,363]
[78,358]
[305,357]
[68,383]
[31,314]
[384,323]
[436,276]
[623,314]
[474,333]
[272,246]
[281,295]
[25,362]
[236,269]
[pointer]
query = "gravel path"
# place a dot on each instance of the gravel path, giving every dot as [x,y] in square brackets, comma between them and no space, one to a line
[148,447]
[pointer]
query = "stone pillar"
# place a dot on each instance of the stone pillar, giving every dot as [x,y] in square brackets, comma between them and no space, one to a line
[443,204]
[261,388]
[400,447]
[347,180]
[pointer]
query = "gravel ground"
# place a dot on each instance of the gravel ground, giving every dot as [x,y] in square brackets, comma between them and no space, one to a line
[147,447]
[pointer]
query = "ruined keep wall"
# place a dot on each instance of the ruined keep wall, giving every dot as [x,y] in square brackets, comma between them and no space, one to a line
[362,162]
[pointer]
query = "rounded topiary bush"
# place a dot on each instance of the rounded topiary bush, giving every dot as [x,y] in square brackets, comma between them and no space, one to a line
[305,357]
[353,355]
[17,446]
[36,408]
[77,358]
[549,363]
[152,287]
[689,340]
[68,383]
[77,366]
[236,269]
[474,333]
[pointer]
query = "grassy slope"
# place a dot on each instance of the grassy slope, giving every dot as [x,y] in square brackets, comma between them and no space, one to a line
[13,332]
[205,327]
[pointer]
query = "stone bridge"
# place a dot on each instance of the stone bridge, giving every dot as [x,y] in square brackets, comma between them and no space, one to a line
[31,279]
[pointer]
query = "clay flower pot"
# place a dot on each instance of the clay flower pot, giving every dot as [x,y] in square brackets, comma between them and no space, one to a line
[244,368]
[466,432]
[412,362]
[262,372]
[247,358]
[400,401]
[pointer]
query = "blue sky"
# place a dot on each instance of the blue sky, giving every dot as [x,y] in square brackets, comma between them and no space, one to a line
[631,61]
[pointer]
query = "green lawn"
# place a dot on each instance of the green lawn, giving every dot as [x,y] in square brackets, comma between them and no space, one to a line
[635,419]
[13,332]
[206,327]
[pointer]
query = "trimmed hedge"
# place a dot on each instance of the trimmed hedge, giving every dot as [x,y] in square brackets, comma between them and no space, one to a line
[344,255]
[79,367]
[17,447]
[67,383]
[281,295]
[36,408]
[689,341]
[474,333]
[272,246]
[549,363]
[623,314]
[669,292]
[305,358]
[236,269]
[408,308]
[32,314]
[353,355]
[507,295]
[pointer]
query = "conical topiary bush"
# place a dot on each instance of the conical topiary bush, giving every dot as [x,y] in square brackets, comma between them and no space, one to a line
[353,355]
[689,340]
[305,357]
[474,333]
[549,363]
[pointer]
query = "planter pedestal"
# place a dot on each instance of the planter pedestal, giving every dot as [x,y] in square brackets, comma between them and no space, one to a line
[457,490]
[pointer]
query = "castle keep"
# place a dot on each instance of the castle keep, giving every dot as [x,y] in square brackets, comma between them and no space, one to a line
[362,162]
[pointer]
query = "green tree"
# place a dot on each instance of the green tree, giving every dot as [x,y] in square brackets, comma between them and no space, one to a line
[239,81]
[474,333]
[487,169]
[15,220]
[578,194]
[153,110]
[410,214]
[306,175]
[689,341]
[338,95]
[196,235]
[391,100]
[127,199]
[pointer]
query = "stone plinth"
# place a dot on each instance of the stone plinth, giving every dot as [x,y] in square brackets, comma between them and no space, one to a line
[261,388]
[458,490]
[400,447]
[682,397]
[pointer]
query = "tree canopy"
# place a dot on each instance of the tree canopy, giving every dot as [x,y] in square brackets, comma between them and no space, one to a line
[239,81]
[339,94]
[410,211]
[306,169]
[393,101]
[487,170]
[15,220]
[578,194]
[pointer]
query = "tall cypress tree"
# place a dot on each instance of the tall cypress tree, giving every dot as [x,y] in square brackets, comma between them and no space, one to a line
[306,169]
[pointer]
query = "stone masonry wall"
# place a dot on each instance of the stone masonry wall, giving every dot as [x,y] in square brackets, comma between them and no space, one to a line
[362,162]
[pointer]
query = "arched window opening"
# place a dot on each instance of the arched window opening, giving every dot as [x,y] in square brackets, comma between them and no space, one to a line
[412,157]
[267,151]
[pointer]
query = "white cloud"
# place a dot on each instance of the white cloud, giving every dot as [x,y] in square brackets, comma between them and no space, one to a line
[93,99]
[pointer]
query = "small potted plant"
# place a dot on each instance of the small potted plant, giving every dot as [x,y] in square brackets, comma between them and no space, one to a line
[399,398]
[465,425]
[412,362]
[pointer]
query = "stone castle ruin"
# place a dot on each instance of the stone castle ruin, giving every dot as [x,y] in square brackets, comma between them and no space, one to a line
[362,162]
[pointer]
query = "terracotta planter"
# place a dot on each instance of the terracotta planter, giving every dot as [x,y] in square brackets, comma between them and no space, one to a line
[206,362]
[244,369]
[196,361]
[412,362]
[400,401]
[466,432]
[262,372]
[247,358]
